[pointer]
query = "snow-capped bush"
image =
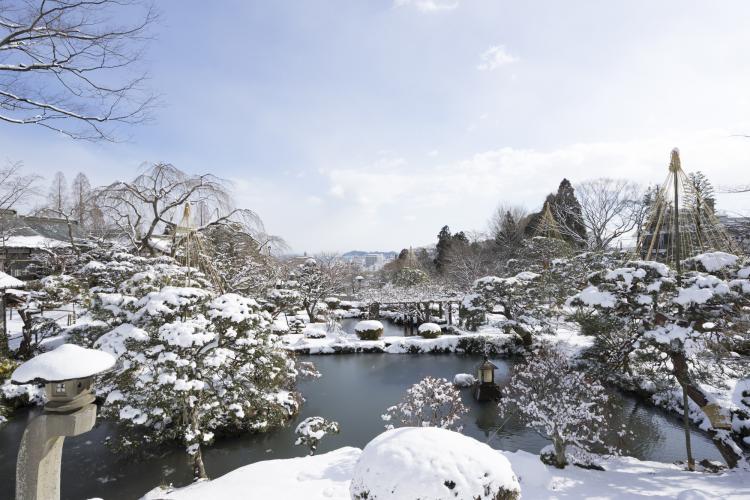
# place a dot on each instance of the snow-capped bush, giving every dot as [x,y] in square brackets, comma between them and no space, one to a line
[312,429]
[464,380]
[369,329]
[431,402]
[430,330]
[431,463]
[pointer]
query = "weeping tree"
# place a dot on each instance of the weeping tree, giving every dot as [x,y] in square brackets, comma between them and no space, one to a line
[164,200]
[72,66]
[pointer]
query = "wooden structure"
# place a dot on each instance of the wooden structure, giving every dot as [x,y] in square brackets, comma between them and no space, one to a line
[418,312]
[679,223]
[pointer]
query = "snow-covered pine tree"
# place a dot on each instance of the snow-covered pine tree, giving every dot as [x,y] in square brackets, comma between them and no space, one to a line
[672,335]
[560,400]
[431,402]
[191,363]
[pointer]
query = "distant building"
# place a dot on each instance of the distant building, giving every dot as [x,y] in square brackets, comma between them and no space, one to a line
[22,238]
[739,229]
[374,261]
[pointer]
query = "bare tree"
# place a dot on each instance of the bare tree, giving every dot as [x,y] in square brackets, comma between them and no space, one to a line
[81,198]
[59,198]
[155,203]
[71,65]
[609,210]
[15,187]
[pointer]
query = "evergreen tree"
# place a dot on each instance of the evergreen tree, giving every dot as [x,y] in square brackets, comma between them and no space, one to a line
[443,247]
[567,211]
[700,193]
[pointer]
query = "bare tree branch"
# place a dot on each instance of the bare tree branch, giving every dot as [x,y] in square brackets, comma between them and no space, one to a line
[69,66]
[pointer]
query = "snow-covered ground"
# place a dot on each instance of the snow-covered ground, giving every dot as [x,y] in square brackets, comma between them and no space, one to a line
[327,477]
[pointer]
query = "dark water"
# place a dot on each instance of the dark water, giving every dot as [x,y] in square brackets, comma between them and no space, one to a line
[354,390]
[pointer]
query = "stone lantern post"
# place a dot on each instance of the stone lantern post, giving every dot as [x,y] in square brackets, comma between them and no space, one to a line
[70,410]
[486,389]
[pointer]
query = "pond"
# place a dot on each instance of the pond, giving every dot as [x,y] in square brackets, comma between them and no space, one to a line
[354,390]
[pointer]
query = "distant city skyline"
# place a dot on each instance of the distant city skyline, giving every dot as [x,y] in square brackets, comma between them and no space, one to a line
[370,125]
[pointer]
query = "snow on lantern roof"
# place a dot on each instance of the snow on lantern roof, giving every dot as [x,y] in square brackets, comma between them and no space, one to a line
[487,364]
[67,362]
[8,281]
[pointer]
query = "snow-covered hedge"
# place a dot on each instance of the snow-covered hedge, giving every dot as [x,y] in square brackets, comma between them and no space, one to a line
[430,330]
[432,463]
[369,329]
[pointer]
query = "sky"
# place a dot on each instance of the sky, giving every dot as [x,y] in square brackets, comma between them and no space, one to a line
[370,124]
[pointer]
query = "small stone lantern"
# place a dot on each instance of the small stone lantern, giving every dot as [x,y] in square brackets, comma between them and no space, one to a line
[486,389]
[66,373]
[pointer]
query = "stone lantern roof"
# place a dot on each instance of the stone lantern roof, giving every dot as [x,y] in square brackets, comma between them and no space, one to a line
[487,364]
[67,362]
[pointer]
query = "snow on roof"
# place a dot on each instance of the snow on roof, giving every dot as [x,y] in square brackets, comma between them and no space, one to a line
[430,462]
[34,242]
[67,362]
[8,281]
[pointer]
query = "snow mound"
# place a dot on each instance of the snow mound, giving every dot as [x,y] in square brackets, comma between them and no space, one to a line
[464,380]
[367,325]
[433,463]
[67,362]
[430,328]
[715,261]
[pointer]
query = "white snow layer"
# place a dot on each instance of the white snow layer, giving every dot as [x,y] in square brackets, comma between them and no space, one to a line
[327,477]
[429,462]
[715,261]
[67,362]
[429,327]
[8,281]
[369,324]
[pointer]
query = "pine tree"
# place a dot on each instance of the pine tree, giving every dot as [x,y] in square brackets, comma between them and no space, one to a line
[445,239]
[567,210]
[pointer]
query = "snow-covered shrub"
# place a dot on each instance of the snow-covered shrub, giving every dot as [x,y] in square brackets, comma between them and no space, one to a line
[430,330]
[191,363]
[431,402]
[408,277]
[315,331]
[558,399]
[431,463]
[464,380]
[311,430]
[316,280]
[283,300]
[58,290]
[332,302]
[369,329]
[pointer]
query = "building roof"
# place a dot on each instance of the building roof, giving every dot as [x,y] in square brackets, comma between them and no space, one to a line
[19,231]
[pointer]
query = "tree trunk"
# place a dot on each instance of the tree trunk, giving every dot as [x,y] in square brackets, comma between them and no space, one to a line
[730,453]
[199,470]
[686,423]
[559,444]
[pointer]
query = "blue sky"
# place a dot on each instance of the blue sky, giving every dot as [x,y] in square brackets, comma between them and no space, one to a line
[370,124]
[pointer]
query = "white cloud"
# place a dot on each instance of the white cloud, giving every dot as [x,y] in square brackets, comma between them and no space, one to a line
[463,194]
[428,5]
[494,57]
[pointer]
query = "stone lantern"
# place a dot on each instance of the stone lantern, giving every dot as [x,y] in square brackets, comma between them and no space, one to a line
[66,373]
[486,389]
